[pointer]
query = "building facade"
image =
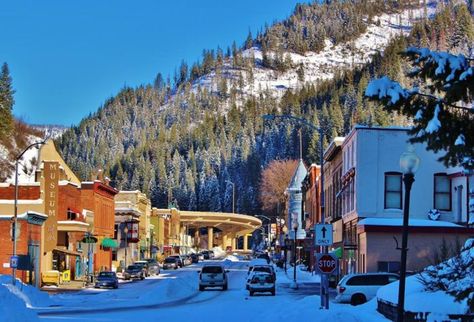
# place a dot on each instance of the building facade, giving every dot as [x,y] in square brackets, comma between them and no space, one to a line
[371,194]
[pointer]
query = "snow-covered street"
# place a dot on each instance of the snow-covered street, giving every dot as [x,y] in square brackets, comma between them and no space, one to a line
[174,296]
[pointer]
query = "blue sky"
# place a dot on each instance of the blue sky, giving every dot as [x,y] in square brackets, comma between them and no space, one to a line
[67,57]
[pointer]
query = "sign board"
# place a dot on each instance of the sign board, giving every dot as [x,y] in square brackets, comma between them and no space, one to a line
[14,261]
[326,263]
[323,234]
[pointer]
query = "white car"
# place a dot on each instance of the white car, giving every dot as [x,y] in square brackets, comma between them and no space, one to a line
[261,282]
[259,269]
[360,288]
[213,276]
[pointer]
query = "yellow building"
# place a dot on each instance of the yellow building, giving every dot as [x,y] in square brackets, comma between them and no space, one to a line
[132,215]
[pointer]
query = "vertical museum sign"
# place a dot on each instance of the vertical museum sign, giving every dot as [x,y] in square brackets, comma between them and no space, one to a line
[51,180]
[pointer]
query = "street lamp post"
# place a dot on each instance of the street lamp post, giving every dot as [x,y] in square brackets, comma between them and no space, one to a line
[287,242]
[409,163]
[125,230]
[295,228]
[15,215]
[233,195]
[324,291]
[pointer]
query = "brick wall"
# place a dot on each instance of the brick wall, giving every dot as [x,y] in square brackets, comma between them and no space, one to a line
[28,233]
[24,192]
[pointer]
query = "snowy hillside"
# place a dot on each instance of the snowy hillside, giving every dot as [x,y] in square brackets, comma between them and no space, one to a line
[319,66]
[51,131]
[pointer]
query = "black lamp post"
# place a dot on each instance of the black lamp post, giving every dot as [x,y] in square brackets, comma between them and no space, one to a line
[15,211]
[287,243]
[409,163]
[125,230]
[295,228]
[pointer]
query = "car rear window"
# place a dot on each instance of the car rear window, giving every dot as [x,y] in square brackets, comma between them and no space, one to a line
[212,269]
[262,269]
[170,260]
[133,267]
[107,274]
[368,280]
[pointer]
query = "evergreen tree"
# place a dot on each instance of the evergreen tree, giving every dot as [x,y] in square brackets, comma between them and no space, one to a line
[6,102]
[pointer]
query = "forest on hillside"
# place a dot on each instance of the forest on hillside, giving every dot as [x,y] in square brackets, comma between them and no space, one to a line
[180,143]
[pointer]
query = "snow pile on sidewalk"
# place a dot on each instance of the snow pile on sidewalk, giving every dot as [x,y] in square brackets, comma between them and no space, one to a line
[231,258]
[446,288]
[18,300]
[218,252]
[301,275]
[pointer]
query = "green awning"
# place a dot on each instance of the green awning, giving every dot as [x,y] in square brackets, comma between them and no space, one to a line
[89,240]
[109,243]
[338,252]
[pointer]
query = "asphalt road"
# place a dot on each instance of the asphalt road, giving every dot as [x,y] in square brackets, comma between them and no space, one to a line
[194,301]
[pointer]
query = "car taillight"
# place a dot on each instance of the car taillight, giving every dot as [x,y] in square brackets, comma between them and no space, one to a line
[341,289]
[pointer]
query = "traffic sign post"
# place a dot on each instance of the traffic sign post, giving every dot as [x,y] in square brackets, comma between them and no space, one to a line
[323,234]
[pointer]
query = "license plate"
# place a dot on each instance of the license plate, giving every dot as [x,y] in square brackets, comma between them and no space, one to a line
[212,283]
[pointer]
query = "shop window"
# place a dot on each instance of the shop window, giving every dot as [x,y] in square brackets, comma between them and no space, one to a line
[393,190]
[114,255]
[442,192]
[116,227]
[389,267]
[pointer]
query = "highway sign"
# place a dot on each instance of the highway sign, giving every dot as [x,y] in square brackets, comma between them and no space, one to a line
[326,263]
[323,234]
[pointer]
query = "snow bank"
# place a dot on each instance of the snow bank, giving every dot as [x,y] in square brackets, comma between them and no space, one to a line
[419,300]
[18,300]
[231,258]
[218,252]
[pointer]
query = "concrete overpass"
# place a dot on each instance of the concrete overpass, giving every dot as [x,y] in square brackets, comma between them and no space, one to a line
[231,226]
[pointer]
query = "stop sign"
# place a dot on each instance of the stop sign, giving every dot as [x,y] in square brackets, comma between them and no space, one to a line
[326,263]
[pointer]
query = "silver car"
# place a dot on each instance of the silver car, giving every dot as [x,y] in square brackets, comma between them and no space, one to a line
[261,282]
[212,276]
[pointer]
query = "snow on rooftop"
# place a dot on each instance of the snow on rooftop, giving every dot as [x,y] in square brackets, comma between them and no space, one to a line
[411,222]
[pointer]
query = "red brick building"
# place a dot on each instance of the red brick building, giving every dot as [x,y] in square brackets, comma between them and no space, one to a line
[98,197]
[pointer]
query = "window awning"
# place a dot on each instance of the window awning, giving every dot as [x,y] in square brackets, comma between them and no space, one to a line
[337,252]
[109,243]
[67,251]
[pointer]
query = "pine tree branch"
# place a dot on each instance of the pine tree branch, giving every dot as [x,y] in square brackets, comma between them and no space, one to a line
[468,109]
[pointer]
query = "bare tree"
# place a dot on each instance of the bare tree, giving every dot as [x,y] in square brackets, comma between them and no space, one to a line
[275,179]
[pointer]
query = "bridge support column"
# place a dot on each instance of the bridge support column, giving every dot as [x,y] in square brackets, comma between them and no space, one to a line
[246,243]
[197,239]
[210,237]
[234,243]
[225,242]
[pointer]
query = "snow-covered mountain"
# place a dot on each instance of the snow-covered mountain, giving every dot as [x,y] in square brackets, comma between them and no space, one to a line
[322,65]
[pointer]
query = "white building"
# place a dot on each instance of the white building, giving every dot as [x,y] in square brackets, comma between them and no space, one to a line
[372,202]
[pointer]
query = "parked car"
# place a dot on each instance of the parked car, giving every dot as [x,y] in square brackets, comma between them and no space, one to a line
[261,282]
[211,254]
[153,266]
[205,254]
[187,260]
[106,279]
[212,276]
[134,271]
[200,256]
[144,265]
[259,269]
[170,263]
[360,288]
[180,260]
[195,258]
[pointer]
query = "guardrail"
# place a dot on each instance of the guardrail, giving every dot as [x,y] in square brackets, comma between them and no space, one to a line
[389,310]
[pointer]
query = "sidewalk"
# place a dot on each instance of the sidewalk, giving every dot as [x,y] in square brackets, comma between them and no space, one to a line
[71,286]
